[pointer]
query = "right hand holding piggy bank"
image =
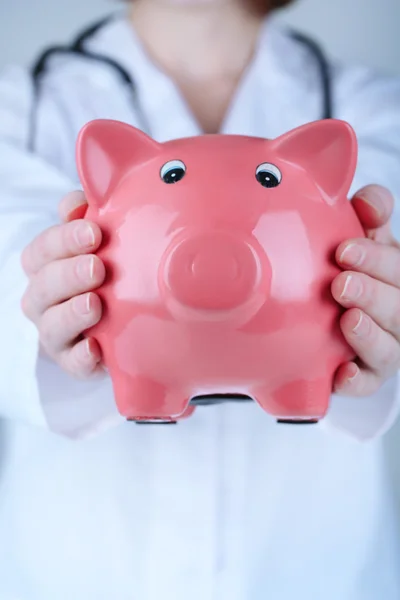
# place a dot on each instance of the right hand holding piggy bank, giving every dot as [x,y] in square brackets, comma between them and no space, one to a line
[59,300]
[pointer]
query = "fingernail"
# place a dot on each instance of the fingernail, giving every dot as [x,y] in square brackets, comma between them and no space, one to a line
[355,373]
[88,351]
[362,326]
[84,351]
[82,304]
[91,351]
[85,236]
[375,198]
[352,288]
[373,205]
[353,254]
[86,268]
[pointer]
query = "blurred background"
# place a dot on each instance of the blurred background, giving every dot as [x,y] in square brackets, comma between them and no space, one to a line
[361,30]
[364,31]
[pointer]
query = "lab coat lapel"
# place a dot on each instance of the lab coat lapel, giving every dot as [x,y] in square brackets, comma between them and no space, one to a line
[279,90]
[158,97]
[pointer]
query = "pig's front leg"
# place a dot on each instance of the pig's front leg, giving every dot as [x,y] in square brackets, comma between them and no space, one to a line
[142,399]
[299,401]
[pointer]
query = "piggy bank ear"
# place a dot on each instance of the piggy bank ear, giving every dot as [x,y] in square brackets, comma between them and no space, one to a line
[105,151]
[327,150]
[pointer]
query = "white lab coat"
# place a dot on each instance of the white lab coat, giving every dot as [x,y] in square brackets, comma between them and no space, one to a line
[227,505]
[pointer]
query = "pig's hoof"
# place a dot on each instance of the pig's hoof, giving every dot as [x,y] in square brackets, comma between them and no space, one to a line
[153,421]
[297,421]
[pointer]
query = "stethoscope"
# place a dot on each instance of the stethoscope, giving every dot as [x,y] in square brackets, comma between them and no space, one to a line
[77,48]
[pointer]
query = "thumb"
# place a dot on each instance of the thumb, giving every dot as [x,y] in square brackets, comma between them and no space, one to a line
[72,206]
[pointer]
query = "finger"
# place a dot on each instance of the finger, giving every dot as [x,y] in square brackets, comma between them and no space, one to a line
[83,359]
[62,324]
[373,205]
[72,206]
[376,348]
[380,261]
[60,241]
[351,380]
[61,280]
[378,300]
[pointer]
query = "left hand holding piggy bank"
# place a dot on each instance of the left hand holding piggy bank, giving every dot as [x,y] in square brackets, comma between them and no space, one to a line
[370,289]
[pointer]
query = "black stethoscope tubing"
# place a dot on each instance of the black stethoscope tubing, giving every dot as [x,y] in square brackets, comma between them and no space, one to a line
[77,48]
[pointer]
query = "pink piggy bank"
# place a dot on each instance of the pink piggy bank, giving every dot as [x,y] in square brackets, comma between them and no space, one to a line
[219,251]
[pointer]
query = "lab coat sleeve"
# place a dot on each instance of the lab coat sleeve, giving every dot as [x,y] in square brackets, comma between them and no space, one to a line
[33,389]
[371,104]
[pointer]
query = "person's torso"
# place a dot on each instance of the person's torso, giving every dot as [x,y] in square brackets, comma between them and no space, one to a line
[226,505]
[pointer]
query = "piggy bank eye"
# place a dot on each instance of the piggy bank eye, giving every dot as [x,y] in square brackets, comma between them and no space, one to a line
[173,171]
[268,175]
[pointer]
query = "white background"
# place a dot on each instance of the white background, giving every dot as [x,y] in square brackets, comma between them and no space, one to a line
[357,30]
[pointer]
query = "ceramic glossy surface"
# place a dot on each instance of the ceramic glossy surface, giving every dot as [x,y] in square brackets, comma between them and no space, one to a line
[219,251]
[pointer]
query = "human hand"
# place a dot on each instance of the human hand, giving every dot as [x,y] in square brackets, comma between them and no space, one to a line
[370,291]
[59,300]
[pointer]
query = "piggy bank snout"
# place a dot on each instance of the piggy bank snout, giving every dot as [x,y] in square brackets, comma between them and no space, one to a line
[211,272]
